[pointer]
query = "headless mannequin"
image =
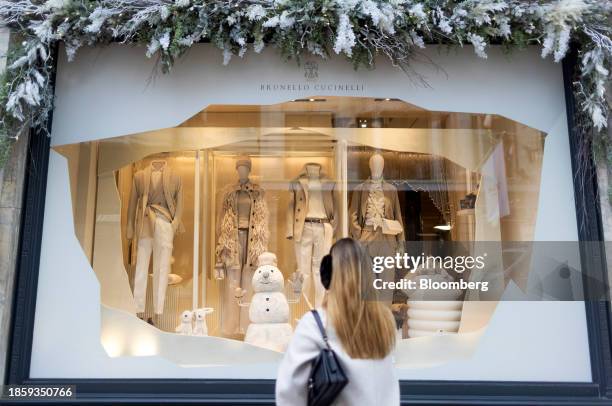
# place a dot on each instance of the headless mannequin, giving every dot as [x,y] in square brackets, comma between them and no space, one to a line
[155,238]
[157,168]
[373,202]
[242,236]
[235,317]
[317,234]
[315,197]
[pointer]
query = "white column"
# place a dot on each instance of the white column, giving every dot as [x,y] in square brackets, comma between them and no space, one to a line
[342,176]
[204,245]
[196,231]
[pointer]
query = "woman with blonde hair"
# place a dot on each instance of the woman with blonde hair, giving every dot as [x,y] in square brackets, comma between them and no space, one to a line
[360,330]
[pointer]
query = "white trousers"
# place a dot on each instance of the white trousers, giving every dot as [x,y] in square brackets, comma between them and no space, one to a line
[309,251]
[160,245]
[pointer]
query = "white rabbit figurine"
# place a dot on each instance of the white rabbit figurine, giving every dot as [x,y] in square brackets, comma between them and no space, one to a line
[201,329]
[185,327]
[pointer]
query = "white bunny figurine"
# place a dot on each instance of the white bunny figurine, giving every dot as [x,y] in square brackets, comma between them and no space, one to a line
[201,329]
[185,327]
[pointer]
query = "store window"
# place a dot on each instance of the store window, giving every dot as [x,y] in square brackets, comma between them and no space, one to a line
[216,228]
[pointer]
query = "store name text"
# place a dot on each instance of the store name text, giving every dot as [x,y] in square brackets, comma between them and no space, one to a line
[305,87]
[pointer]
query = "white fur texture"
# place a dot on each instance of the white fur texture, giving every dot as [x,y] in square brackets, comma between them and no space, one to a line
[185,327]
[201,328]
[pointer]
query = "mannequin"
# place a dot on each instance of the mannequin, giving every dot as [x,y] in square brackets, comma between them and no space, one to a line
[376,217]
[310,224]
[242,237]
[154,217]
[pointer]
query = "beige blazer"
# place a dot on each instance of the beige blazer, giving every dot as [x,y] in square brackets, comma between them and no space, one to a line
[298,204]
[173,192]
[358,207]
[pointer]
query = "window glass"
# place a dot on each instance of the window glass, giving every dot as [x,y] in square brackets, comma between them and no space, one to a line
[217,227]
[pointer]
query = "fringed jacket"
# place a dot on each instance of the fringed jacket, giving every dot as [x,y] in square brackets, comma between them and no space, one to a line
[228,246]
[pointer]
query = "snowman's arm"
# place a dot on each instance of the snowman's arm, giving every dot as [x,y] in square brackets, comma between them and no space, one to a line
[239,295]
[294,288]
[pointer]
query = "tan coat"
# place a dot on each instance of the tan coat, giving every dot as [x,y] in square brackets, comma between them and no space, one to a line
[358,206]
[173,192]
[298,204]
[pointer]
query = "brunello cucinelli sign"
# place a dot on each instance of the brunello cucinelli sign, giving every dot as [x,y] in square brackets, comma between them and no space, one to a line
[312,83]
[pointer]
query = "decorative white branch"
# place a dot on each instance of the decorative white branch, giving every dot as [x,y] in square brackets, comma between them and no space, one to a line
[357,29]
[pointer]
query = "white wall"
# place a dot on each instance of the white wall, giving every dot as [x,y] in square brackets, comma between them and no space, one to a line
[107,92]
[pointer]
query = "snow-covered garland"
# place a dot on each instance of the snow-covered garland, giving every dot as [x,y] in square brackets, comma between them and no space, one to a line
[358,29]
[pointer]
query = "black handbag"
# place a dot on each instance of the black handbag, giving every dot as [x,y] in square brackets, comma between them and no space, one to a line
[327,379]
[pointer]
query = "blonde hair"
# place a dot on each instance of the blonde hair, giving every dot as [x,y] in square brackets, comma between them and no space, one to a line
[365,328]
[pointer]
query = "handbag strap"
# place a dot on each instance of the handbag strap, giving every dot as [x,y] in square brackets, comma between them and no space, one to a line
[321,328]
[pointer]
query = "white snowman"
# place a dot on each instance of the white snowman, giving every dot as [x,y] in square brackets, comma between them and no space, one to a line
[269,310]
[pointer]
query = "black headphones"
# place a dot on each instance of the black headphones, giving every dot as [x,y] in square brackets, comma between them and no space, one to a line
[326,271]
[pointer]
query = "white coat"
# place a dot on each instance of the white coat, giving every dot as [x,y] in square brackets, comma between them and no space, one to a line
[371,382]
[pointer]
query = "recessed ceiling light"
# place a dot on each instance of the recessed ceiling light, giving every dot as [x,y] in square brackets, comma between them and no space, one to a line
[443,227]
[308,100]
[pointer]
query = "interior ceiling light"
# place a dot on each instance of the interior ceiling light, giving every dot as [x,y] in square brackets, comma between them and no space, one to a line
[308,100]
[443,227]
[386,99]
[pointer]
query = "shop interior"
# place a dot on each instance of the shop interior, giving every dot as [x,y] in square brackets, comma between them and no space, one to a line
[226,185]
